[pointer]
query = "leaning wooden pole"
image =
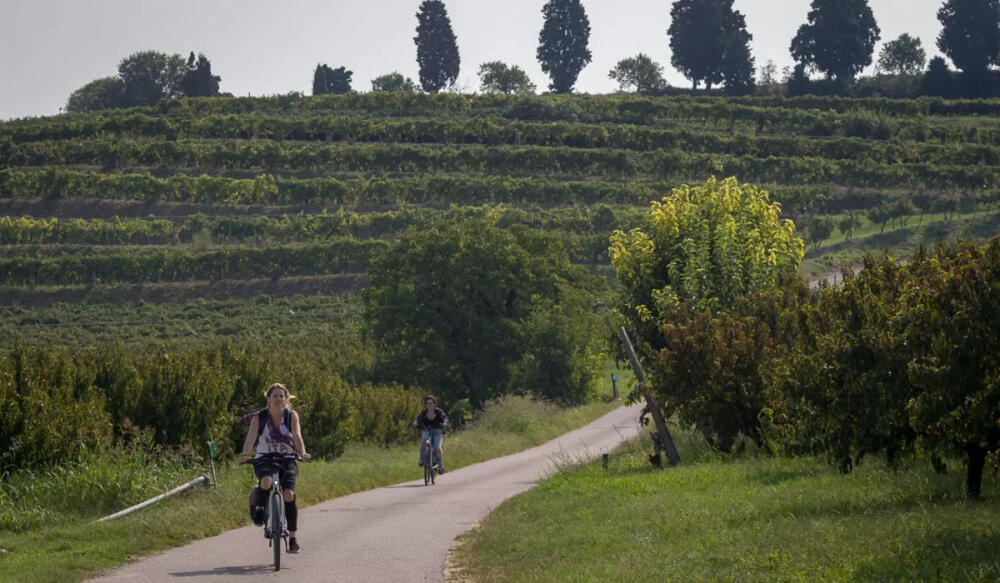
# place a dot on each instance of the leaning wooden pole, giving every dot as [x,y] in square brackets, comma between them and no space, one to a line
[654,409]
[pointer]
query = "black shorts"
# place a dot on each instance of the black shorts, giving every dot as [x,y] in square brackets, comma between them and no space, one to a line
[288,471]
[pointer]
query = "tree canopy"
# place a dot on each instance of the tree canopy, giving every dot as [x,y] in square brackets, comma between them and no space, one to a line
[838,38]
[437,47]
[563,43]
[903,56]
[393,82]
[970,33]
[327,80]
[475,311]
[104,93]
[149,76]
[709,43]
[198,80]
[639,72]
[497,77]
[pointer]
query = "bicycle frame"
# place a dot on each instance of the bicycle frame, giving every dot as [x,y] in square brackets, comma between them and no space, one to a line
[275,526]
[428,457]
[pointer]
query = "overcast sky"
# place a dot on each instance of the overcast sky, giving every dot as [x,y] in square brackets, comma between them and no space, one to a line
[49,48]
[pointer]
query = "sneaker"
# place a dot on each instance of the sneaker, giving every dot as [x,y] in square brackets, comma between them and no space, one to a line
[440,468]
[420,463]
[293,545]
[267,533]
[258,515]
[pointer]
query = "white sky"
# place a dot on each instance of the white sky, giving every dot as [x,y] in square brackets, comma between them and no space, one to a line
[49,48]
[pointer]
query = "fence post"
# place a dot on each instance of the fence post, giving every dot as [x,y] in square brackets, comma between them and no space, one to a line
[663,434]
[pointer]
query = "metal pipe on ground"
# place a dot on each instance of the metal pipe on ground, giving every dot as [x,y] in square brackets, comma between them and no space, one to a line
[202,479]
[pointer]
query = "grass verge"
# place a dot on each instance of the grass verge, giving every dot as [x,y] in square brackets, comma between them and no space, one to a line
[751,519]
[72,547]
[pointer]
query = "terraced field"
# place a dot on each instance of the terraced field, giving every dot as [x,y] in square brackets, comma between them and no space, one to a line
[231,199]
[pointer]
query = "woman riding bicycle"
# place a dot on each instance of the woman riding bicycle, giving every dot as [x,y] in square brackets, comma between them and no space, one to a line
[275,429]
[431,422]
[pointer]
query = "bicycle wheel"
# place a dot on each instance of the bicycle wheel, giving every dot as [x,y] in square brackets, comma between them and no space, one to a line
[428,470]
[276,529]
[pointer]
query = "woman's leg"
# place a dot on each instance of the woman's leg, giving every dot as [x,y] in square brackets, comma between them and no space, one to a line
[436,437]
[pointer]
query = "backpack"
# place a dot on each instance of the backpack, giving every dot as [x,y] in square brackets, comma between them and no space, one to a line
[286,420]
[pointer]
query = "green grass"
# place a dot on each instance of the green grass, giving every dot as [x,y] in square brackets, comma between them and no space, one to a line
[871,239]
[71,547]
[745,519]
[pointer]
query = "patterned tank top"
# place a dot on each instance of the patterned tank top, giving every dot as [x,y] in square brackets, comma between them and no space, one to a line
[276,439]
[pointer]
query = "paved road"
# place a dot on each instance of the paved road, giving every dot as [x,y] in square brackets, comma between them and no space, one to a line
[398,533]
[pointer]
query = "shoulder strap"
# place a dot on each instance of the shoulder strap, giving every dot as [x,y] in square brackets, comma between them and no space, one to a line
[261,421]
[286,418]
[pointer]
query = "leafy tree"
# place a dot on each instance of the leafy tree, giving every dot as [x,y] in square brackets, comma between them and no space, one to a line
[903,56]
[437,47]
[951,317]
[393,82]
[838,38]
[149,76]
[327,80]
[819,230]
[798,83]
[848,224]
[640,72]
[768,80]
[840,385]
[104,93]
[198,80]
[738,63]
[471,310]
[938,79]
[970,33]
[705,250]
[563,43]
[497,77]
[710,43]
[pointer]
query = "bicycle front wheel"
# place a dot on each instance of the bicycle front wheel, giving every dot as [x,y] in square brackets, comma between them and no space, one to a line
[276,529]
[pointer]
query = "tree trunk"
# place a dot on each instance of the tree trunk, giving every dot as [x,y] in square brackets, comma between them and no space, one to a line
[974,477]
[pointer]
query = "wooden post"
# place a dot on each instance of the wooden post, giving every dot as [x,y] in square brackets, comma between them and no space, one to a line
[662,433]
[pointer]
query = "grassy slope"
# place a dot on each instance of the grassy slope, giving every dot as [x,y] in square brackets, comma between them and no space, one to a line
[74,548]
[753,519]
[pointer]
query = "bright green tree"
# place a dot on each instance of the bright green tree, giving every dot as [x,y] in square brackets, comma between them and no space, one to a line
[437,47]
[563,43]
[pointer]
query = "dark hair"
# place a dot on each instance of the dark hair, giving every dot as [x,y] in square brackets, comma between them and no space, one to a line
[431,397]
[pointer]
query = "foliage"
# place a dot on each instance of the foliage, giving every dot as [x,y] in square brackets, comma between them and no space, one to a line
[497,77]
[639,72]
[198,80]
[563,43]
[950,315]
[838,38]
[903,56]
[970,33]
[709,42]
[335,81]
[938,79]
[149,76]
[104,93]
[393,82]
[454,307]
[437,48]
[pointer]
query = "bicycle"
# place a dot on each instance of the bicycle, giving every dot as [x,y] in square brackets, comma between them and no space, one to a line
[430,468]
[274,513]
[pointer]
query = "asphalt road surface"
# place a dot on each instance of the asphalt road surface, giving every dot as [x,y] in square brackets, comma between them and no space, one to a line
[397,533]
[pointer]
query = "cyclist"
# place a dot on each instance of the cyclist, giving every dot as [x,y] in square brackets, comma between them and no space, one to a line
[431,422]
[275,429]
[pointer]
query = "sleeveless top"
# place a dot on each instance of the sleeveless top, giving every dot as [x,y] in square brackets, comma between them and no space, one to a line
[276,439]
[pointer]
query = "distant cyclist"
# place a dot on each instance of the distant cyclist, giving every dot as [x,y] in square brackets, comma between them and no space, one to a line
[431,422]
[275,429]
